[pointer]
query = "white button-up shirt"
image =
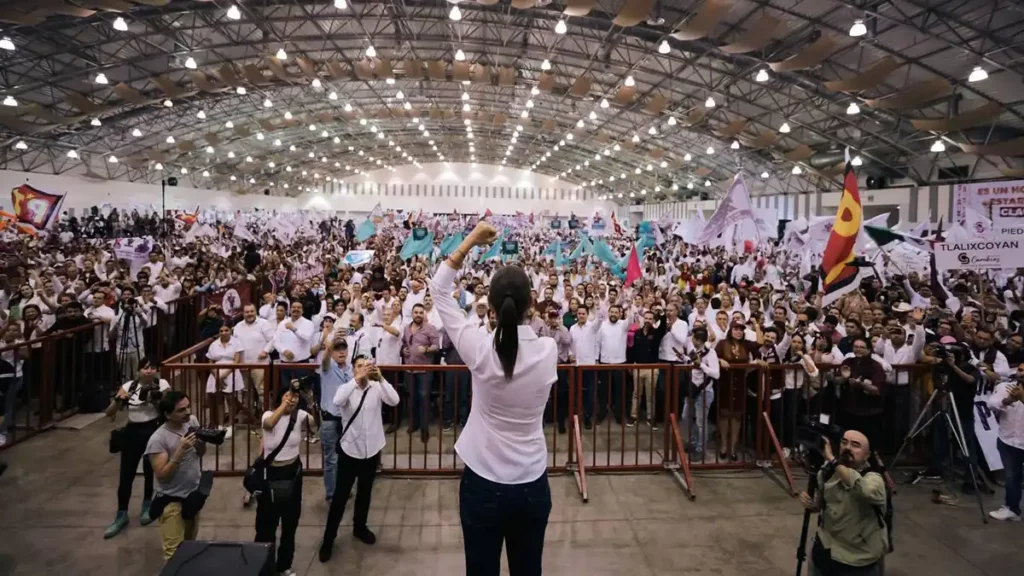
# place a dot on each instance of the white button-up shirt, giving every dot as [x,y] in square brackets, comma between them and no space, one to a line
[504,437]
[611,342]
[675,337]
[1011,418]
[365,436]
[584,342]
[254,338]
[299,342]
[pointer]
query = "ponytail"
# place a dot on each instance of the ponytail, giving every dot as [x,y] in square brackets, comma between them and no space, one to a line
[506,336]
[510,298]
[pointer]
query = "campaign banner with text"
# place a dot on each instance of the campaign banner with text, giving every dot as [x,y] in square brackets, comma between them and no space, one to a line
[985,197]
[989,254]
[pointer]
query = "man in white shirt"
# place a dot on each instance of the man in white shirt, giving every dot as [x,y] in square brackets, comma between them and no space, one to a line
[255,334]
[359,342]
[293,340]
[415,296]
[267,309]
[360,401]
[611,346]
[584,347]
[1007,401]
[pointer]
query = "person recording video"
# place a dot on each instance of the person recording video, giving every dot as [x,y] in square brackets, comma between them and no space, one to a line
[139,397]
[361,441]
[127,333]
[852,534]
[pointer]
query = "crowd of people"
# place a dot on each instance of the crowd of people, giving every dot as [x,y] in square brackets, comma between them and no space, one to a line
[726,313]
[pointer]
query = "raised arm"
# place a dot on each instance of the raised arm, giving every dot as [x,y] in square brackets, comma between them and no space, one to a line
[463,334]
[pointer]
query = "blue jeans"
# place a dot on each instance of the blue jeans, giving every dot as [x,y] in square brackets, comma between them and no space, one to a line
[9,388]
[420,394]
[702,403]
[1013,463]
[456,379]
[329,431]
[513,515]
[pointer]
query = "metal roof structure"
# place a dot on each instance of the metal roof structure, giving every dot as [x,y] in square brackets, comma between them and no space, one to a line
[655,98]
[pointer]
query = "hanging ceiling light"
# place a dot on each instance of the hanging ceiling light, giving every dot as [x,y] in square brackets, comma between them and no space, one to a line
[465,107]
[371,52]
[240,90]
[229,124]
[234,13]
[652,130]
[687,157]
[852,109]
[784,128]
[348,107]
[201,115]
[460,55]
[689,185]
[797,171]
[545,65]
[95,122]
[977,75]
[287,114]
[604,103]
[277,141]
[190,63]
[317,83]
[710,150]
[168,103]
[209,149]
[231,154]
[259,135]
[707,182]
[630,81]
[267,103]
[710,102]
[858,29]
[735,145]
[664,48]
[340,4]
[938,146]
[560,27]
[170,140]
[407,106]
[281,54]
[764,175]
[21,145]
[112,159]
[399,95]
[6,44]
[10,101]
[762,75]
[73,154]
[120,25]
[857,161]
[534,91]
[455,13]
[101,78]
[593,115]
[672,121]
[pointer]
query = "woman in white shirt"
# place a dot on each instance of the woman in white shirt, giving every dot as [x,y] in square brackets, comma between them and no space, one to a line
[226,349]
[504,497]
[282,502]
[139,397]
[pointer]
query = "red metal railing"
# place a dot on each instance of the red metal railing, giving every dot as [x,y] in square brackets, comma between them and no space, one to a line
[433,397]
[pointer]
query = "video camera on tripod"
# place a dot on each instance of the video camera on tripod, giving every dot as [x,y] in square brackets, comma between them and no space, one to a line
[813,436]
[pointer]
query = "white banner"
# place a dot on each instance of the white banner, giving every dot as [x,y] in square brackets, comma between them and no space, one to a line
[358,257]
[986,430]
[733,208]
[134,250]
[983,197]
[1008,220]
[990,254]
[767,220]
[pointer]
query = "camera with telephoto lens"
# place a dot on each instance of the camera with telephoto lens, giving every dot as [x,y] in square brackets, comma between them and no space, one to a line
[942,372]
[208,435]
[812,437]
[148,393]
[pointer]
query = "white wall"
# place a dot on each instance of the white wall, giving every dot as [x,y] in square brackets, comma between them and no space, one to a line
[82,193]
[449,187]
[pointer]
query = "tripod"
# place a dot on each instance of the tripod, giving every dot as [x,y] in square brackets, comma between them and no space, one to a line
[954,427]
[801,549]
[128,337]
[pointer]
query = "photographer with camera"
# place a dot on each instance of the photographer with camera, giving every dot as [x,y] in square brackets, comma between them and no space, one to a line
[139,397]
[174,451]
[281,501]
[852,536]
[126,331]
[360,443]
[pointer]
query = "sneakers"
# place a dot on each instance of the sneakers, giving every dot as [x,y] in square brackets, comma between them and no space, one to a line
[365,536]
[561,427]
[144,518]
[631,422]
[120,523]
[1005,514]
[229,431]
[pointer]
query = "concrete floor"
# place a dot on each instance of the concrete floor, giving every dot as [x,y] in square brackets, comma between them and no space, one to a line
[59,494]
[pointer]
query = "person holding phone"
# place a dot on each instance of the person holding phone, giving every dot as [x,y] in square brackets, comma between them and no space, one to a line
[362,438]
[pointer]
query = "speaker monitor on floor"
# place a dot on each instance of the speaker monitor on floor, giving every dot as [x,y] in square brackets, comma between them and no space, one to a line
[201,558]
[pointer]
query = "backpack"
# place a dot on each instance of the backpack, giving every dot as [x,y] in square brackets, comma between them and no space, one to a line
[884,514]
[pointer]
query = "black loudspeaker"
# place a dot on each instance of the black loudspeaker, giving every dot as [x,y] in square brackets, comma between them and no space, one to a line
[876,182]
[200,558]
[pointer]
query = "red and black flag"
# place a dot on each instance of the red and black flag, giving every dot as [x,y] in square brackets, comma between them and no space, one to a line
[837,275]
[34,208]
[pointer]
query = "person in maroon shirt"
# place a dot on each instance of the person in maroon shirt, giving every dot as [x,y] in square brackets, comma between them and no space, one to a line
[862,384]
[420,342]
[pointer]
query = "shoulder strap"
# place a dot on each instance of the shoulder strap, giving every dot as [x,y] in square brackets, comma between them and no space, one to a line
[287,433]
[354,414]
